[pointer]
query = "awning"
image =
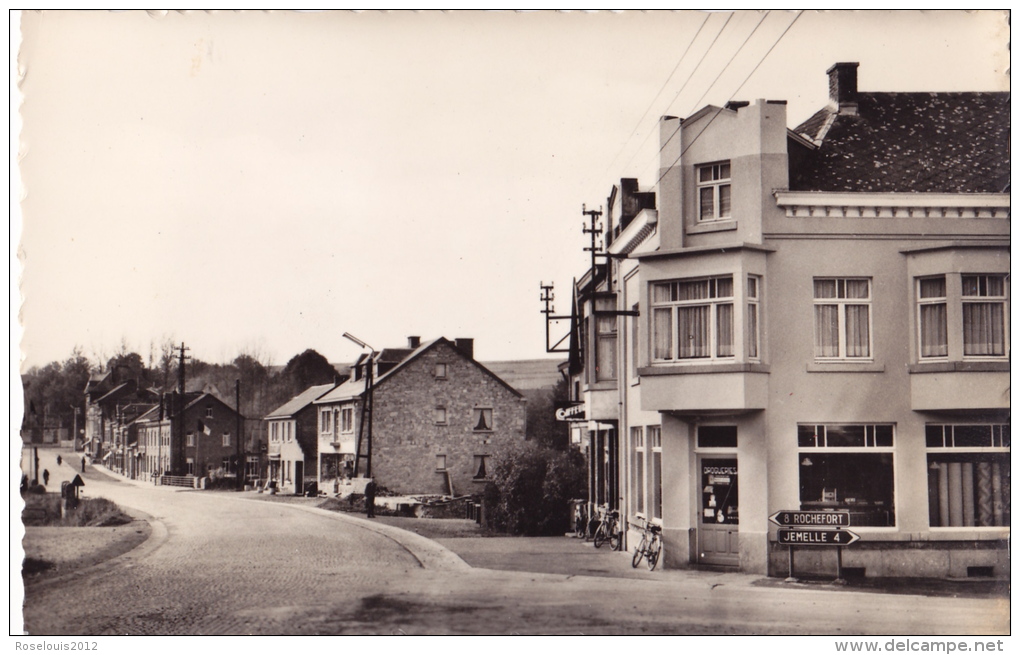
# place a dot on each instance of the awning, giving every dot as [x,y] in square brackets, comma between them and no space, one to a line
[274,455]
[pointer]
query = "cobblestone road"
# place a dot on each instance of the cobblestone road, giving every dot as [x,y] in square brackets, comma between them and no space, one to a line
[218,564]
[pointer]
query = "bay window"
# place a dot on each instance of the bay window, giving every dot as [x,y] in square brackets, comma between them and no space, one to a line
[984,315]
[842,318]
[753,283]
[931,303]
[693,319]
[605,339]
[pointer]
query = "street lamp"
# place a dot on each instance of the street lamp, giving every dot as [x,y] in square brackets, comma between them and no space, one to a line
[366,408]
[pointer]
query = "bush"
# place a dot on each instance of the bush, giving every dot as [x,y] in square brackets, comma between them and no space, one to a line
[531,488]
[98,512]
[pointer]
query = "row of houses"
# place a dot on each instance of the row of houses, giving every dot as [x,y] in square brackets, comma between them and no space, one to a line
[436,418]
[809,319]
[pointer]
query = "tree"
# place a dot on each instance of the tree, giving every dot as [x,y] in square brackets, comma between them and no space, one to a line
[308,369]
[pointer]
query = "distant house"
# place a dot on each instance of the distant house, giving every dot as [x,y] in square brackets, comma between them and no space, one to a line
[293,448]
[106,397]
[438,418]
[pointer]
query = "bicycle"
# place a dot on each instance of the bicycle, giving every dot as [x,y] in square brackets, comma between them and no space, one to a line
[650,547]
[609,529]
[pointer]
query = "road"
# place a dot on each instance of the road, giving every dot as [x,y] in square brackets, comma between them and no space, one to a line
[221,564]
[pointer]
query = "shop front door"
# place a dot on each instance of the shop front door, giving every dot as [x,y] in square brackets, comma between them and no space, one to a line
[719,521]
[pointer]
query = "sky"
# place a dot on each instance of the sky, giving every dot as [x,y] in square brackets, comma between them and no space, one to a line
[265,182]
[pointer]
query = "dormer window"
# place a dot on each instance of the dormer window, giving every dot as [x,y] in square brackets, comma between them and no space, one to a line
[714,191]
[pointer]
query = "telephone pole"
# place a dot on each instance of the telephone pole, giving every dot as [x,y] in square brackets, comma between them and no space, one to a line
[179,466]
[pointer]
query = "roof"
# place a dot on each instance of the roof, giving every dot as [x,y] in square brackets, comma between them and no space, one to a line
[201,397]
[354,388]
[908,142]
[527,373]
[300,401]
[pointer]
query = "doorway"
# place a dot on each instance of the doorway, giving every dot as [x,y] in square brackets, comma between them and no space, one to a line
[719,517]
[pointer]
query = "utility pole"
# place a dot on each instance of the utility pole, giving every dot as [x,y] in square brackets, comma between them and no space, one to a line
[366,407]
[179,464]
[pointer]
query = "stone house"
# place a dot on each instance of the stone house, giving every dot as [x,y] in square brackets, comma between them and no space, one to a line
[438,418]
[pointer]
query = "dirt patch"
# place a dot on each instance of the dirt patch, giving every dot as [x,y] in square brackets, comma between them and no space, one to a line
[53,551]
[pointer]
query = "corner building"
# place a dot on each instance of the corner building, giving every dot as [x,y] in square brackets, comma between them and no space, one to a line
[822,324]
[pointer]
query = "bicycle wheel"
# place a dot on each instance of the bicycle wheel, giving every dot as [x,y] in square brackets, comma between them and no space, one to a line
[639,552]
[600,535]
[654,550]
[615,537]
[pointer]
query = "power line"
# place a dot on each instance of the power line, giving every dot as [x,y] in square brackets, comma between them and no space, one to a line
[656,97]
[719,110]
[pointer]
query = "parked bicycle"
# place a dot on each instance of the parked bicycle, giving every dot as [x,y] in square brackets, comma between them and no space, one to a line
[608,529]
[650,547]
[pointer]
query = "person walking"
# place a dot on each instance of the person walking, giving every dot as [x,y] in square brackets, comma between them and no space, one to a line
[370,499]
[59,460]
[46,476]
[82,464]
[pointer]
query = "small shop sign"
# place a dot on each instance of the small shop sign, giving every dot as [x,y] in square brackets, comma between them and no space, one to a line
[572,412]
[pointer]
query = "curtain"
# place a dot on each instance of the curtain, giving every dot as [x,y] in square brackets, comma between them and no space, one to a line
[693,331]
[857,331]
[724,201]
[983,329]
[934,340]
[707,203]
[724,324]
[752,330]
[662,332]
[826,330]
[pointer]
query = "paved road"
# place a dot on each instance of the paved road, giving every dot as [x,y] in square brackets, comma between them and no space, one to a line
[219,564]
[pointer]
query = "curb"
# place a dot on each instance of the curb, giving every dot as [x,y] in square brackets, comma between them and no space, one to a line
[431,555]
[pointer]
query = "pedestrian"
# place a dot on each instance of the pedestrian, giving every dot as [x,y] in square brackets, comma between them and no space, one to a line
[82,464]
[58,460]
[370,499]
[46,476]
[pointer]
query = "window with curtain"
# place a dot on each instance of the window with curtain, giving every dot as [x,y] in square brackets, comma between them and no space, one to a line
[984,315]
[634,342]
[714,201]
[931,304]
[968,475]
[701,311]
[842,318]
[605,340]
[753,284]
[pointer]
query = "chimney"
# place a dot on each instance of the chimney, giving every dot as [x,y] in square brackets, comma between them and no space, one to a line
[413,342]
[467,347]
[843,86]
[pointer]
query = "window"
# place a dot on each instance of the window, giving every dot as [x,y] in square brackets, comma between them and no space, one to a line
[226,438]
[655,493]
[637,437]
[634,342]
[480,467]
[347,419]
[274,432]
[984,315]
[605,340]
[191,466]
[440,462]
[225,465]
[842,318]
[191,438]
[717,436]
[481,419]
[327,421]
[701,310]
[714,191]
[439,415]
[208,411]
[968,475]
[931,307]
[848,467]
[440,371]
[753,283]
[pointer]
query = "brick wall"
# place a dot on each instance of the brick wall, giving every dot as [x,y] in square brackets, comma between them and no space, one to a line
[407,438]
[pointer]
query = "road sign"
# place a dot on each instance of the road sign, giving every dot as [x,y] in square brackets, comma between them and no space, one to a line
[816,537]
[797,518]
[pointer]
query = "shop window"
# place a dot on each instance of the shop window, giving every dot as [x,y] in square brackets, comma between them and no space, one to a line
[842,318]
[848,467]
[968,475]
[605,340]
[984,315]
[693,319]
[714,201]
[481,419]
